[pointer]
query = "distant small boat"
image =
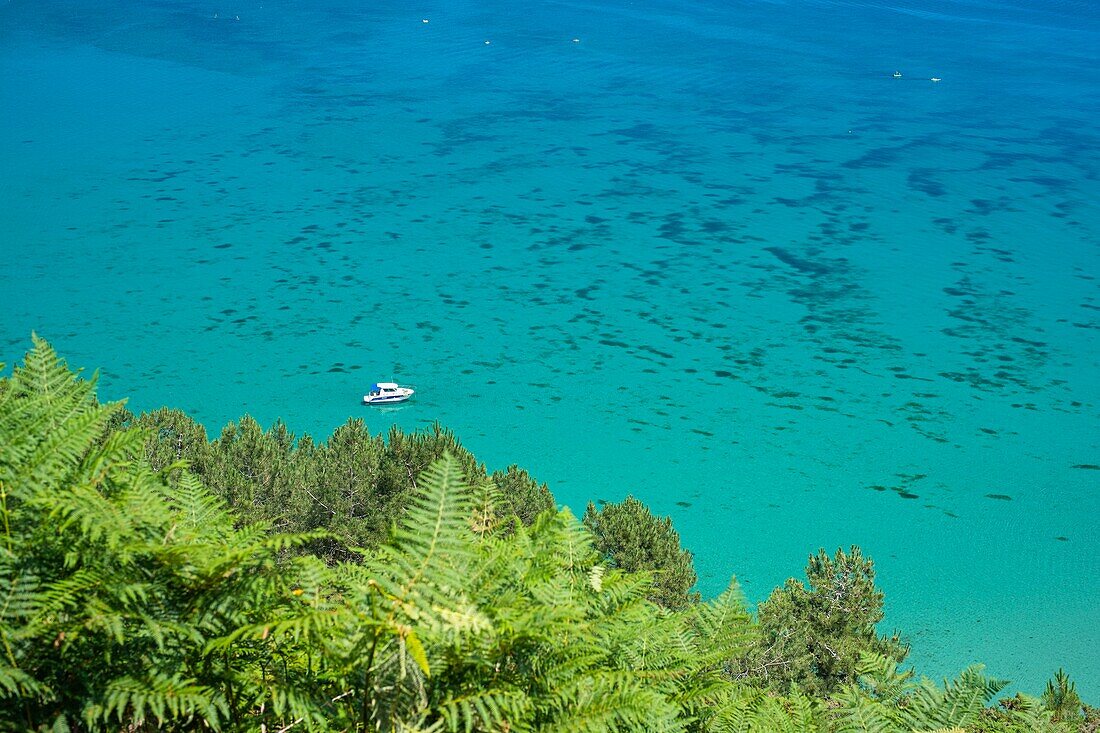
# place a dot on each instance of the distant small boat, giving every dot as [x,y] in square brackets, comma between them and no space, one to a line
[897,74]
[936,78]
[387,393]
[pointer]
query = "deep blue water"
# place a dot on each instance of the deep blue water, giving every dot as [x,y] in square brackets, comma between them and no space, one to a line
[711,254]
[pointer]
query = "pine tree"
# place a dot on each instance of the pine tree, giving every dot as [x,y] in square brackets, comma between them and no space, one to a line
[815,635]
[631,538]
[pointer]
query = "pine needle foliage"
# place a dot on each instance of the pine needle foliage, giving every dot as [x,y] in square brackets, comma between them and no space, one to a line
[1061,698]
[814,634]
[631,538]
[354,485]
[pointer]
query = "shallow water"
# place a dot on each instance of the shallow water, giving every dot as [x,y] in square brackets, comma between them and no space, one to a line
[711,254]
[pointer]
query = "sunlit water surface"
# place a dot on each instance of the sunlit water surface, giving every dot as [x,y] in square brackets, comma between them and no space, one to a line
[709,253]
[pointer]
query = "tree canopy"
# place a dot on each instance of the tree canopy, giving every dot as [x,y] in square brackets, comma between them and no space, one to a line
[816,634]
[631,538]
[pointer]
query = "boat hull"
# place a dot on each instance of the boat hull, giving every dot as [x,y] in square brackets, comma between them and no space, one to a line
[387,399]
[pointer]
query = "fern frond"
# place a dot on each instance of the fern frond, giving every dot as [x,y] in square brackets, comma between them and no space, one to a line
[157,698]
[425,568]
[483,710]
[859,714]
[880,677]
[15,683]
[804,711]
[957,703]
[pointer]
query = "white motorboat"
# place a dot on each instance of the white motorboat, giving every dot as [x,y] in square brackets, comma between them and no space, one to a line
[387,393]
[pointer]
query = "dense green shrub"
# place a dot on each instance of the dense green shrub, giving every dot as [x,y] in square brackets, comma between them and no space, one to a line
[631,538]
[816,635]
[354,485]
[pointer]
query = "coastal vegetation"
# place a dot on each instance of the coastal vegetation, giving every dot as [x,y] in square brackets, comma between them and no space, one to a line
[151,579]
[354,486]
[629,537]
[816,637]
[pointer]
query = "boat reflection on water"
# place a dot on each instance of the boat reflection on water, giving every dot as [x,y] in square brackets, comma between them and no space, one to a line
[391,408]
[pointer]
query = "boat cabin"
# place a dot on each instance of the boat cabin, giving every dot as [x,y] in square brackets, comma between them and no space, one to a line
[386,392]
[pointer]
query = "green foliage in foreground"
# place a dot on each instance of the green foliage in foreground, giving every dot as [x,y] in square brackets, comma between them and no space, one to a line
[131,599]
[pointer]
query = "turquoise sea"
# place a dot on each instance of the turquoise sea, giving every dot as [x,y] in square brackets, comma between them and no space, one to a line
[707,252]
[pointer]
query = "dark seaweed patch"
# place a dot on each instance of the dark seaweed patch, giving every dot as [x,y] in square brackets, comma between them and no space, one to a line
[803,265]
